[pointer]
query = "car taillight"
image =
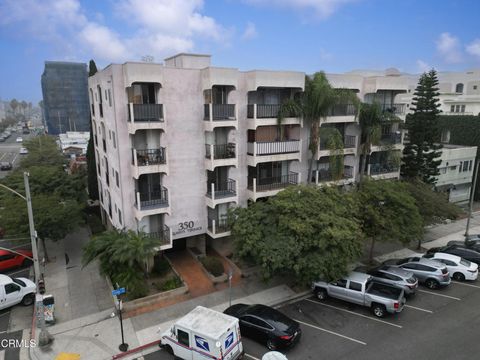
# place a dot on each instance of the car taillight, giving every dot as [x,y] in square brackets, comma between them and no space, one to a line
[396,305]
[286,337]
[472,271]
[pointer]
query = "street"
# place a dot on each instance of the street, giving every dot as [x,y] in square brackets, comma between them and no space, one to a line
[9,150]
[435,324]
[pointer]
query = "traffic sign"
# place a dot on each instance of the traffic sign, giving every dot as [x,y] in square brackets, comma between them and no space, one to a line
[118,291]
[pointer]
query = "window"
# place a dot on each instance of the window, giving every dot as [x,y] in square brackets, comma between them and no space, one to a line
[465,165]
[459,88]
[109,134]
[452,108]
[183,337]
[475,87]
[10,288]
[410,266]
[109,98]
[257,322]
[445,136]
[460,167]
[340,283]
[6,257]
[442,170]
[117,180]
[470,163]
[425,268]
[120,216]
[355,286]
[114,140]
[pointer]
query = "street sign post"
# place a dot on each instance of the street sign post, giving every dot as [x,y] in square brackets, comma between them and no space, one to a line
[116,292]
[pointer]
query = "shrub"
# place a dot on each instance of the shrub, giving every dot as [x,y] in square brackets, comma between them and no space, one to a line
[95,224]
[213,265]
[171,283]
[160,265]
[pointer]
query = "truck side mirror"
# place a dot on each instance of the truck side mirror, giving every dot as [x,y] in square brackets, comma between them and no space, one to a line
[172,331]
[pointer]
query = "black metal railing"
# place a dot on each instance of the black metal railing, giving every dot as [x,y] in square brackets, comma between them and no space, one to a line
[274,147]
[220,112]
[350,141]
[265,111]
[342,110]
[146,112]
[162,235]
[220,151]
[222,189]
[391,138]
[382,168]
[221,225]
[274,182]
[393,108]
[100,107]
[325,173]
[153,199]
[151,157]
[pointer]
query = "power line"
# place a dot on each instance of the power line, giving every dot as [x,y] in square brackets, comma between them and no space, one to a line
[8,239]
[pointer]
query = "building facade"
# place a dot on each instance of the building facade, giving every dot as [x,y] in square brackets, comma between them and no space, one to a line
[65,97]
[178,144]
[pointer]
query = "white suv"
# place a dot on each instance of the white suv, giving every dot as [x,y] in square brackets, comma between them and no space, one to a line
[459,268]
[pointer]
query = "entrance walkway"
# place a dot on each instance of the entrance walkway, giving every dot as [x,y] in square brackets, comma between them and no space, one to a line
[192,274]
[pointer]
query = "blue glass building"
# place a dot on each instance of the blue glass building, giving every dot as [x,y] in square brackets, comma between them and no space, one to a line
[65,97]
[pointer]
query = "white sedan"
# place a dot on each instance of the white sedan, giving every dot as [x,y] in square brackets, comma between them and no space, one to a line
[459,268]
[23,151]
[19,139]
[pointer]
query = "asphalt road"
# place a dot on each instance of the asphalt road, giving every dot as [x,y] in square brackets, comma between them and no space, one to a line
[435,324]
[9,150]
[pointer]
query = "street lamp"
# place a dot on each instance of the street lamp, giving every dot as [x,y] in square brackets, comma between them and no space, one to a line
[44,337]
[472,194]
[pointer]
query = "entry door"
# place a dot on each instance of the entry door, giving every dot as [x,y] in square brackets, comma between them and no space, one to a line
[183,350]
[12,294]
[337,288]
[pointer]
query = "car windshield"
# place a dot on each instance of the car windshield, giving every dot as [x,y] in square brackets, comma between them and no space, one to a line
[19,282]
[390,292]
[465,262]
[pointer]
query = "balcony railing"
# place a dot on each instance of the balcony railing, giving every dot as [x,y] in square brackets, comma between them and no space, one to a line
[222,189]
[265,111]
[383,168]
[324,173]
[273,147]
[220,151]
[145,112]
[162,235]
[152,199]
[391,138]
[218,226]
[342,110]
[272,183]
[149,156]
[393,108]
[463,113]
[216,112]
[349,142]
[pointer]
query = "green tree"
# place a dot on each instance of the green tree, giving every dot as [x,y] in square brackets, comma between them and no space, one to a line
[387,212]
[304,231]
[315,104]
[433,206]
[123,257]
[370,120]
[42,150]
[421,150]
[92,68]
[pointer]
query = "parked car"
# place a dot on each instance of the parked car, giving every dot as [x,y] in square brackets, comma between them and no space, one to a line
[5,165]
[474,237]
[19,139]
[10,260]
[23,151]
[16,290]
[395,276]
[2,138]
[362,289]
[431,273]
[468,244]
[459,269]
[266,325]
[459,250]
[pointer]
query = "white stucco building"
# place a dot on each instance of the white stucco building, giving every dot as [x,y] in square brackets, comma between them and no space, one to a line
[179,143]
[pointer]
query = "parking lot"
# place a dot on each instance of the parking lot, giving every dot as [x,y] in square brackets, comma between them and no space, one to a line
[435,324]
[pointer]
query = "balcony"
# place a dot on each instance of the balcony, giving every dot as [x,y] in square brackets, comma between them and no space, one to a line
[391,140]
[151,203]
[220,155]
[397,109]
[163,236]
[145,117]
[266,114]
[221,192]
[341,113]
[219,115]
[384,170]
[273,151]
[270,186]
[324,175]
[349,146]
[149,161]
[218,228]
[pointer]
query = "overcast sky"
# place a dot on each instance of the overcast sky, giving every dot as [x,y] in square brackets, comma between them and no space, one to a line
[305,35]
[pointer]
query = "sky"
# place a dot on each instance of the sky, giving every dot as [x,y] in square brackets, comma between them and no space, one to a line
[335,36]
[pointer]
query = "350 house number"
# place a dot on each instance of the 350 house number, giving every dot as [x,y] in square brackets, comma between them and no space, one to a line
[186,225]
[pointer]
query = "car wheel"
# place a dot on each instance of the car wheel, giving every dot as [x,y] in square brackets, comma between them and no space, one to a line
[321,294]
[458,276]
[28,300]
[379,310]
[431,284]
[271,345]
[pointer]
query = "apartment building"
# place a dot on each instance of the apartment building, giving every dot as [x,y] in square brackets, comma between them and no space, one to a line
[178,144]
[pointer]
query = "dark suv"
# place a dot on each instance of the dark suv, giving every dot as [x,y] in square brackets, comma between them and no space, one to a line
[459,250]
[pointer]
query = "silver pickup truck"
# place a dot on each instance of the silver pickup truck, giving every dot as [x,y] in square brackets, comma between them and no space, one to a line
[361,289]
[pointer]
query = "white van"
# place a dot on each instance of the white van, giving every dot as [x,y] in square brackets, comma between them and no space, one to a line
[15,291]
[204,333]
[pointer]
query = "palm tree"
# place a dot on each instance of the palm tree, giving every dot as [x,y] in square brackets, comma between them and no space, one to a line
[315,104]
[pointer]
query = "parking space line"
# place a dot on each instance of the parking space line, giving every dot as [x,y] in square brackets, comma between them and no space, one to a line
[419,309]
[251,357]
[331,332]
[433,293]
[464,284]
[354,313]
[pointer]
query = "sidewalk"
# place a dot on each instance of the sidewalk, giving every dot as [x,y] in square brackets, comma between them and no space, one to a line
[97,336]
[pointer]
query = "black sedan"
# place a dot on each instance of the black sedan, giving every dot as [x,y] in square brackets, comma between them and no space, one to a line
[5,165]
[266,325]
[470,244]
[459,250]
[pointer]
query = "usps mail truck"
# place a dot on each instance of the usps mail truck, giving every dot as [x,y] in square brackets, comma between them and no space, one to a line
[204,334]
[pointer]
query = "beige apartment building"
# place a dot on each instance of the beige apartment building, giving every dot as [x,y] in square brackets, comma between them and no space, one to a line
[177,144]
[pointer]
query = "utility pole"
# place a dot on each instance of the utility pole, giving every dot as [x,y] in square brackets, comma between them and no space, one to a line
[472,194]
[44,337]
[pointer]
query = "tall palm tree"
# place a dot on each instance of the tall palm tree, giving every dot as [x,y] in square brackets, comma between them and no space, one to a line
[315,104]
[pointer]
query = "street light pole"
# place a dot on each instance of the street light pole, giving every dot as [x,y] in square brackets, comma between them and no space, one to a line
[472,194]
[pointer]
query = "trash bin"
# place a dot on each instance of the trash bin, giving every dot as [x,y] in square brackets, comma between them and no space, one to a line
[49,309]
[274,355]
